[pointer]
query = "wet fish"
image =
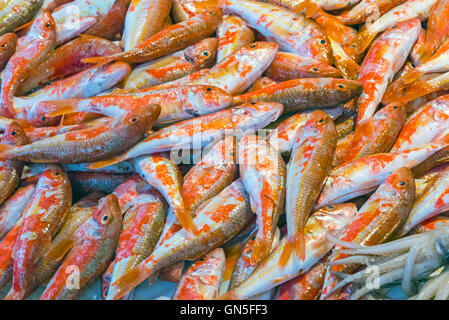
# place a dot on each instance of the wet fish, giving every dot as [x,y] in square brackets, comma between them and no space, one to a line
[6,250]
[17,13]
[232,34]
[112,23]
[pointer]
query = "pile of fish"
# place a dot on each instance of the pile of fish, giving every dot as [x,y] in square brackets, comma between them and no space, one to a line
[280,149]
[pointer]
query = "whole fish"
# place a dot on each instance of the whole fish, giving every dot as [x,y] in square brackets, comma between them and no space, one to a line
[202,279]
[112,23]
[384,58]
[39,42]
[219,220]
[144,19]
[12,209]
[6,251]
[359,177]
[263,174]
[378,133]
[42,218]
[173,66]
[7,48]
[289,66]
[16,13]
[66,61]
[300,35]
[301,94]
[89,144]
[164,175]
[433,202]
[232,33]
[270,273]
[237,72]
[171,39]
[376,221]
[201,131]
[142,226]
[215,171]
[91,253]
[307,170]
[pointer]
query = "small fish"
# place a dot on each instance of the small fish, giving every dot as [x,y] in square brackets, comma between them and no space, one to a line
[131,189]
[144,19]
[202,130]
[66,61]
[91,253]
[42,218]
[173,66]
[302,94]
[219,220]
[169,40]
[12,209]
[202,279]
[385,57]
[216,170]
[289,66]
[307,170]
[39,42]
[263,174]
[270,274]
[7,48]
[300,35]
[232,33]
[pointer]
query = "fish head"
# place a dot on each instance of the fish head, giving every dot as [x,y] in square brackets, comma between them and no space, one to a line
[319,124]
[14,135]
[261,51]
[53,177]
[208,99]
[141,118]
[260,114]
[395,111]
[336,217]
[44,27]
[202,54]
[319,45]
[108,214]
[346,88]
[8,42]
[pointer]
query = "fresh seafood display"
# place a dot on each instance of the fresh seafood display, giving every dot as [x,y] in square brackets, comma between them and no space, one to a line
[227,149]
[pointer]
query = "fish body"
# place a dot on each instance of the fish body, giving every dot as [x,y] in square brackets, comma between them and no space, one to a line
[232,33]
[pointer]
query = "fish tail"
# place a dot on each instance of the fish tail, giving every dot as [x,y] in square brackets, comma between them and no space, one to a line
[228,296]
[261,249]
[127,282]
[108,162]
[186,220]
[299,246]
[307,7]
[286,253]
[59,107]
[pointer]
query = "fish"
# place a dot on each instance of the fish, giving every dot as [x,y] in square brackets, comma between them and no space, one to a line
[130,189]
[169,40]
[238,71]
[218,221]
[303,94]
[50,5]
[270,274]
[307,170]
[84,183]
[376,221]
[343,62]
[289,66]
[39,42]
[385,57]
[201,131]
[7,48]
[202,279]
[112,23]
[66,61]
[435,223]
[301,35]
[164,175]
[17,13]
[283,137]
[263,173]
[359,177]
[173,66]
[42,218]
[142,226]
[185,9]
[12,209]
[261,82]
[232,34]
[91,253]
[216,170]
[367,11]
[89,144]
[6,250]
[378,133]
[144,19]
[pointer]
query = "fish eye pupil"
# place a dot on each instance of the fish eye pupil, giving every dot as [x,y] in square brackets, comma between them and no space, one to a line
[205,53]
[134,119]
[48,25]
[14,133]
[209,89]
[57,173]
[44,119]
[315,69]
[341,86]
[321,121]
[323,41]
[402,183]
[105,218]
[252,46]
[252,102]
[395,107]
[3,45]
[331,207]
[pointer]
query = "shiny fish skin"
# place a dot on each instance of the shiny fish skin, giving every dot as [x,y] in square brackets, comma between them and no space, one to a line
[95,243]
[112,23]
[366,10]
[232,34]
[42,218]
[6,250]
[302,94]
[201,280]
[17,13]
[298,34]
[185,9]
[144,19]
[220,219]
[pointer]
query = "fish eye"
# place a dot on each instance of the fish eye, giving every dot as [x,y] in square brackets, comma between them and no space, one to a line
[211,12]
[331,207]
[315,69]
[402,183]
[202,259]
[209,89]
[252,102]
[341,86]
[322,41]
[3,45]
[44,119]
[57,173]
[134,119]
[252,46]
[206,53]
[48,25]
[321,120]
[104,219]
[395,107]
[253,238]
[14,133]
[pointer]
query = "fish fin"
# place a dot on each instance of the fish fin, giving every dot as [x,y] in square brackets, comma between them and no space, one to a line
[107,163]
[4,149]
[23,26]
[129,281]
[409,77]
[307,7]
[59,107]
[228,296]
[185,219]
[409,92]
[296,244]
[99,61]
[286,253]
[299,246]
[261,249]
[59,252]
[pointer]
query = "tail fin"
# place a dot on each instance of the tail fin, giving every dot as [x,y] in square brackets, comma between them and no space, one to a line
[307,7]
[186,220]
[228,296]
[129,281]
[261,248]
[108,162]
